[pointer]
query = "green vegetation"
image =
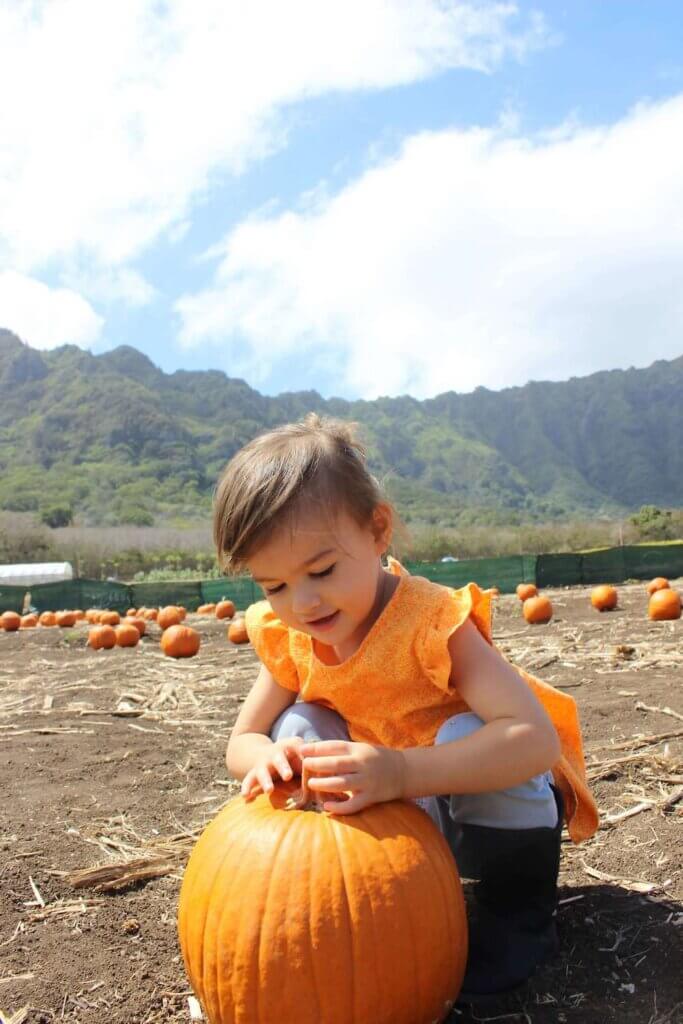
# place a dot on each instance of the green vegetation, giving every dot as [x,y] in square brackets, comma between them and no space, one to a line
[156,554]
[111,440]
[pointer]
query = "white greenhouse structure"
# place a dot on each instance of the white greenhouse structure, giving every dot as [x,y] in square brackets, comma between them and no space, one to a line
[31,575]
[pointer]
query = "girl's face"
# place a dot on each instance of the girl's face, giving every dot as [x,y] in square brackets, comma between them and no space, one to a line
[325,580]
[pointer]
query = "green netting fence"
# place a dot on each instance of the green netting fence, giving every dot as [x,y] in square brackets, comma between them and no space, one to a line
[504,573]
[558,570]
[609,565]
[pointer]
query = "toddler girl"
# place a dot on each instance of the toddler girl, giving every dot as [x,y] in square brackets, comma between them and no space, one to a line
[384,685]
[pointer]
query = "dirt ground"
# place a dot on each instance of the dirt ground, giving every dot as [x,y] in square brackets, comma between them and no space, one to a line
[108,757]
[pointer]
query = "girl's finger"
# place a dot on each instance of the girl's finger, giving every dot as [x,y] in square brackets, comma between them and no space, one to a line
[265,780]
[249,786]
[331,765]
[321,748]
[283,766]
[355,803]
[331,784]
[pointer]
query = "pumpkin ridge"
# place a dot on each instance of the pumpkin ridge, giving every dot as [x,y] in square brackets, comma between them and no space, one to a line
[350,930]
[234,1012]
[440,854]
[277,860]
[311,858]
[207,902]
[394,820]
[367,827]
[215,988]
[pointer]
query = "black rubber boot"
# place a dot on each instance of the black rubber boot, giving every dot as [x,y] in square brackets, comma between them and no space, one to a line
[512,910]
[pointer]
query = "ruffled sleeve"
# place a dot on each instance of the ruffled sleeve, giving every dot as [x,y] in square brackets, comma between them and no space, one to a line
[270,639]
[441,620]
[453,607]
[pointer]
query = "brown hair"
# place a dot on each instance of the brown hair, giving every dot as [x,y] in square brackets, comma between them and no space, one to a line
[319,461]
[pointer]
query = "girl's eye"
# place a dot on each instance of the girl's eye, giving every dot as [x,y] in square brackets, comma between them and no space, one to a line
[325,572]
[276,590]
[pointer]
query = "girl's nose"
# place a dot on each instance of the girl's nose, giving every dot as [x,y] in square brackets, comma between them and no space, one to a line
[305,600]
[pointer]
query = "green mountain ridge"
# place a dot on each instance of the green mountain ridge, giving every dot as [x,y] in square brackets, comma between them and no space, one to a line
[116,440]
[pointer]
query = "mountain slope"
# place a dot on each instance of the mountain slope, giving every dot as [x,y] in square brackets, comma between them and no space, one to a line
[118,440]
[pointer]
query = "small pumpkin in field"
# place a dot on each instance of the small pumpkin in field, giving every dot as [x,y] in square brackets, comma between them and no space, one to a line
[225,610]
[537,609]
[237,632]
[28,621]
[109,618]
[80,614]
[66,619]
[102,637]
[293,915]
[171,615]
[604,597]
[526,590]
[658,583]
[92,615]
[206,609]
[131,613]
[151,614]
[137,621]
[10,621]
[126,635]
[180,641]
[664,604]
[47,619]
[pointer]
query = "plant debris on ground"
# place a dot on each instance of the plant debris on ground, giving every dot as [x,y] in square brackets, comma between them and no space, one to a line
[112,762]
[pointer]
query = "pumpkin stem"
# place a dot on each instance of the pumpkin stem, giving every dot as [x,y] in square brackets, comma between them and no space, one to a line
[303,799]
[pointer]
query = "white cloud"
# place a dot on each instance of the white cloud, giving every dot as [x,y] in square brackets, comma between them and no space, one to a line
[471,258]
[46,317]
[116,116]
[110,285]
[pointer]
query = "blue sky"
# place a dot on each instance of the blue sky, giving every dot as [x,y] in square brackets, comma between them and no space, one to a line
[361,198]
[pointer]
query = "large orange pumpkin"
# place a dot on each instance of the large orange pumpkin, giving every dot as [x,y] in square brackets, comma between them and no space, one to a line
[225,610]
[29,621]
[658,583]
[526,590]
[299,916]
[47,619]
[170,616]
[206,609]
[237,632]
[180,641]
[537,609]
[102,637]
[664,604]
[10,621]
[604,597]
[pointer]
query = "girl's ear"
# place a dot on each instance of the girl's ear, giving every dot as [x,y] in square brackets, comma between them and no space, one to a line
[382,526]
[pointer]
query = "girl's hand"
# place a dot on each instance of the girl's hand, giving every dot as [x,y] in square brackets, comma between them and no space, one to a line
[281,759]
[370,774]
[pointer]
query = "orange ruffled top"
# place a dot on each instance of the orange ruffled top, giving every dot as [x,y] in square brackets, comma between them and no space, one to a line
[394,690]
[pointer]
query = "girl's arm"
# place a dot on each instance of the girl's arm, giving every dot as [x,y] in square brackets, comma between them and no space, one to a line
[517,741]
[251,732]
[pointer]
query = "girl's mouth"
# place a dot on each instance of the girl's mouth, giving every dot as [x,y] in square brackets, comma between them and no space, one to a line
[326,622]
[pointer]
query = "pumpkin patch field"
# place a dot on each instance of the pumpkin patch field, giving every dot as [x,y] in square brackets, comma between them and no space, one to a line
[112,764]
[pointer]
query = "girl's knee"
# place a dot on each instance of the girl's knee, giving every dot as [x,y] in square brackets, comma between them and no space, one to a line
[310,722]
[458,726]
